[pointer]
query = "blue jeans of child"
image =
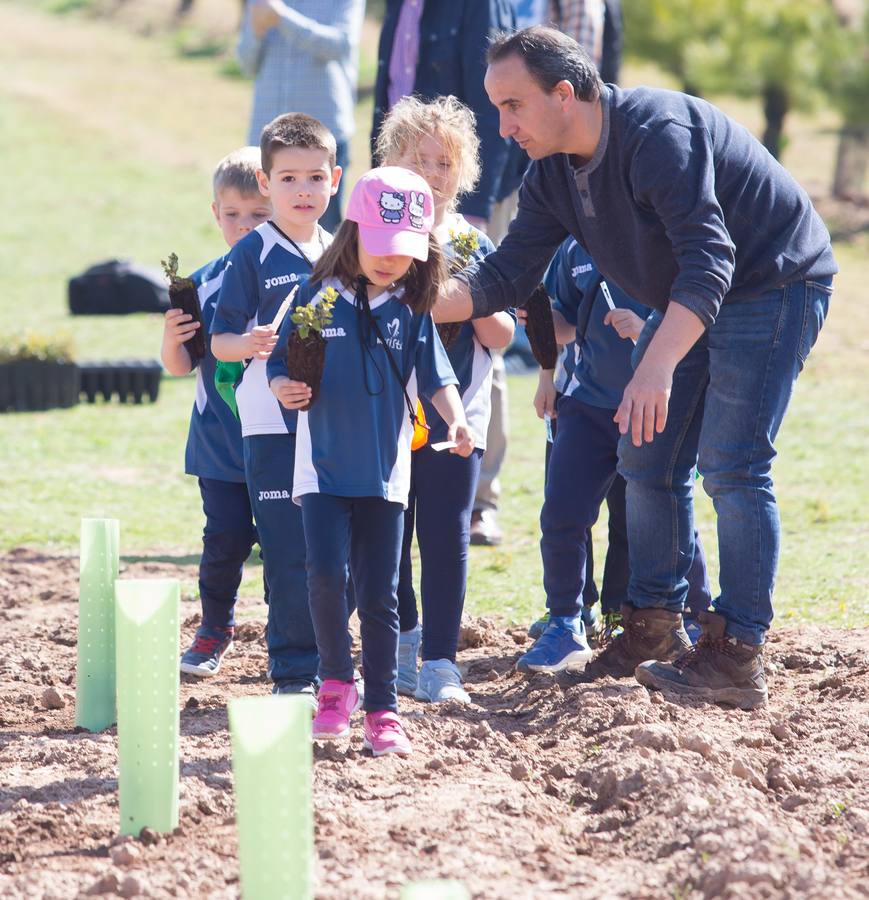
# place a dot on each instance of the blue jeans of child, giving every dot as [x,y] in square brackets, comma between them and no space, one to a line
[292,646]
[227,540]
[366,532]
[582,471]
[442,491]
[728,399]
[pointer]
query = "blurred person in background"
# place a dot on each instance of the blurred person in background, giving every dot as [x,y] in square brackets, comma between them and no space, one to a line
[304,57]
[433,48]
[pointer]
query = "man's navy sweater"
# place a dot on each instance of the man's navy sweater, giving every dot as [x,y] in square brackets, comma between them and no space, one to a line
[679,202]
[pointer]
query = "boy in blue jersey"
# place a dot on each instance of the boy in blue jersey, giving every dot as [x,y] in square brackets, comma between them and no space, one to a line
[214,452]
[299,176]
[599,319]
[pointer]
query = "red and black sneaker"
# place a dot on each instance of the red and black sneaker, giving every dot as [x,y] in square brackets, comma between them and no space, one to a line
[205,654]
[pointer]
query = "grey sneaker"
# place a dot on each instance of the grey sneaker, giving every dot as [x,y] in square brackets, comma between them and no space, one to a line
[719,668]
[439,680]
[408,651]
[646,634]
[306,689]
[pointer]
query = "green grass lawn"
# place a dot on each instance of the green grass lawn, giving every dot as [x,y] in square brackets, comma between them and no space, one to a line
[109,139]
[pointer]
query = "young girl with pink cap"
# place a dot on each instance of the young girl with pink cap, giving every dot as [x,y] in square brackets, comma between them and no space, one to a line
[353,452]
[439,141]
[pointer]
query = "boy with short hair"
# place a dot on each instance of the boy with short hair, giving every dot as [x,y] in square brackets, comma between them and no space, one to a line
[214,450]
[300,176]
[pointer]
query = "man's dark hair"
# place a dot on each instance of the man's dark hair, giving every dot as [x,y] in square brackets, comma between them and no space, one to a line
[295,130]
[550,56]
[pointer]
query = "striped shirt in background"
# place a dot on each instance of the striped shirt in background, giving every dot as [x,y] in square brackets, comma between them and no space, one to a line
[582,20]
[308,63]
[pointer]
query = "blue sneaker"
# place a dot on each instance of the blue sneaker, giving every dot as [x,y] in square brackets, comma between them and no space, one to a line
[562,646]
[439,680]
[408,651]
[537,628]
[205,654]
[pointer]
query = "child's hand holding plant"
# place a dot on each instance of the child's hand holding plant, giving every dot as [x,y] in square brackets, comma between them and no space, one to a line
[306,351]
[290,394]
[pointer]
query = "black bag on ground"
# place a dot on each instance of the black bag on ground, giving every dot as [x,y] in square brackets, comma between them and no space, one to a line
[117,287]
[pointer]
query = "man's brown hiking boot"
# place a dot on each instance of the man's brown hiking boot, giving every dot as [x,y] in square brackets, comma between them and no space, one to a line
[647,634]
[719,669]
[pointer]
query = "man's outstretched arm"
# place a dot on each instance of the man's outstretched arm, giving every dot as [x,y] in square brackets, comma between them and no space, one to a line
[507,277]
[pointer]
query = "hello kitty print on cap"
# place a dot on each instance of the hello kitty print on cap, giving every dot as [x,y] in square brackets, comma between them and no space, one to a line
[394,210]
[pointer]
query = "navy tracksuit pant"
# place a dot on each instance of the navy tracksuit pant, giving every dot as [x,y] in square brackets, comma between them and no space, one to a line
[442,490]
[292,646]
[366,533]
[582,469]
[227,540]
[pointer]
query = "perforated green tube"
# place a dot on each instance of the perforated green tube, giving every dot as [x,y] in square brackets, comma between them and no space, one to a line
[435,890]
[146,643]
[95,667]
[271,762]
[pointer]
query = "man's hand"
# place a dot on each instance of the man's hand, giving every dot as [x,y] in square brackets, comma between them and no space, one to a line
[264,14]
[262,341]
[643,409]
[463,438]
[178,327]
[290,394]
[544,398]
[626,323]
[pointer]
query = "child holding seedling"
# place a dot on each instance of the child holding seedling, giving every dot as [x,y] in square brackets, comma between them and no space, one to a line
[352,472]
[214,449]
[602,321]
[438,140]
[299,176]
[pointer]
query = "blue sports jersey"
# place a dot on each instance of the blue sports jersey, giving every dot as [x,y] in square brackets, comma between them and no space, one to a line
[602,362]
[472,364]
[214,440]
[263,268]
[355,439]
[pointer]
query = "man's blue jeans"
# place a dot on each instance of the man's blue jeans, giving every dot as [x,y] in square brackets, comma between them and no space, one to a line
[729,397]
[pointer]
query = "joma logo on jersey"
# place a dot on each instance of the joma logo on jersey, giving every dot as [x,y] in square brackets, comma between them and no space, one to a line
[579,270]
[275,495]
[393,341]
[334,332]
[281,279]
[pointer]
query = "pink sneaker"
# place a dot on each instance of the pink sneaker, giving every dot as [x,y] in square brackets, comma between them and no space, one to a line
[384,734]
[336,702]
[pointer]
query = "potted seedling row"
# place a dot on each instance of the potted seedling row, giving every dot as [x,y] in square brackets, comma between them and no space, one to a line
[37,373]
[306,347]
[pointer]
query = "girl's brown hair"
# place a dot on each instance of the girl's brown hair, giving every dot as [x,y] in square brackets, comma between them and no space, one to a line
[421,283]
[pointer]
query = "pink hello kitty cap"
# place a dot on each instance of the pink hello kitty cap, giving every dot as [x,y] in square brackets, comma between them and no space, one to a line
[394,210]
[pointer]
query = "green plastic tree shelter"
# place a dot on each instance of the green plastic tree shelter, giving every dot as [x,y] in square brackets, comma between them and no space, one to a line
[271,762]
[95,668]
[146,644]
[435,890]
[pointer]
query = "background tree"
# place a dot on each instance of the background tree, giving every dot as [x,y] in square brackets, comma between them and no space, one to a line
[770,49]
[845,76]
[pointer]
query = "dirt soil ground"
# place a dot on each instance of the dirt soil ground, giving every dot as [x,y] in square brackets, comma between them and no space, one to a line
[542,788]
